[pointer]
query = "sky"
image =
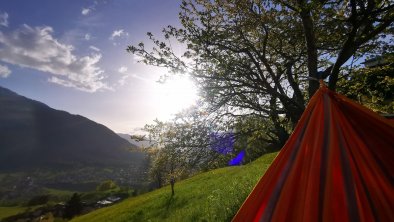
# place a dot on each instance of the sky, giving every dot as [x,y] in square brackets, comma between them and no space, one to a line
[71,55]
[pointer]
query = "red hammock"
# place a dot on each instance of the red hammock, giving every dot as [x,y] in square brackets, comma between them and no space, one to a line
[338,165]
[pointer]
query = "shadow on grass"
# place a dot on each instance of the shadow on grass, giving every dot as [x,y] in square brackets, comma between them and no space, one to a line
[174,201]
[169,202]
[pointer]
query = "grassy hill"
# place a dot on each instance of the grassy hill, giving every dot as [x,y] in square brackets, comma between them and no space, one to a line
[212,196]
[9,211]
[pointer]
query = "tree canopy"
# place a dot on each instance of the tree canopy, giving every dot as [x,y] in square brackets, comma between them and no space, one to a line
[263,57]
[188,143]
[260,60]
[372,87]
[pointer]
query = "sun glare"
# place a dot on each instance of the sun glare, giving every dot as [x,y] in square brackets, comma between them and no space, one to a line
[176,94]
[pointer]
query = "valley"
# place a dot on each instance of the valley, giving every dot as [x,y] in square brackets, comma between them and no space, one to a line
[47,155]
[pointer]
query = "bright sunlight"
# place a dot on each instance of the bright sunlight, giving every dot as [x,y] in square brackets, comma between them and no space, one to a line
[176,94]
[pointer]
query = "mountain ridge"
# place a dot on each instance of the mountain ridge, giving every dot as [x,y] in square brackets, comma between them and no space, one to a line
[140,144]
[32,134]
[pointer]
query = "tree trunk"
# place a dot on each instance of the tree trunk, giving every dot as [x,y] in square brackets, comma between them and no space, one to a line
[310,41]
[172,181]
[159,180]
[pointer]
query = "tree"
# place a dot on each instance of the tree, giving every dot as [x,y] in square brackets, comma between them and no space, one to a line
[262,58]
[181,146]
[372,87]
[38,200]
[73,206]
[107,185]
[256,138]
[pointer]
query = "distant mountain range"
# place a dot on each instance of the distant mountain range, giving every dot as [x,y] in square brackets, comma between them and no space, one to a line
[34,135]
[141,144]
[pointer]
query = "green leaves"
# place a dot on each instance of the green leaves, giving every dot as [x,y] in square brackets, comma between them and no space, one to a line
[372,87]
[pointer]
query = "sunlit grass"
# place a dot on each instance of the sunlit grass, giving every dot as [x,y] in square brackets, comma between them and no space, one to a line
[211,196]
[10,211]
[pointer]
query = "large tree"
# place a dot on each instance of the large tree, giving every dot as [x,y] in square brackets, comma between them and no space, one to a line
[263,58]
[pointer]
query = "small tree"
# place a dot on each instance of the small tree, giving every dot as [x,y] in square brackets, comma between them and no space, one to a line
[181,146]
[73,206]
[156,171]
[106,185]
[172,182]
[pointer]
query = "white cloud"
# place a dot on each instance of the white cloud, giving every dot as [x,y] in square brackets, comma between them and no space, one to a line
[94,48]
[86,11]
[118,33]
[122,69]
[36,48]
[122,80]
[89,9]
[4,71]
[87,37]
[135,76]
[4,19]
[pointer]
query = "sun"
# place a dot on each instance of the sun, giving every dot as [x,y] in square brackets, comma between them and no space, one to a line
[176,94]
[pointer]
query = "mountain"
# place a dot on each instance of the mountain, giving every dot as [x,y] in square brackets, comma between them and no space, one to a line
[140,144]
[34,135]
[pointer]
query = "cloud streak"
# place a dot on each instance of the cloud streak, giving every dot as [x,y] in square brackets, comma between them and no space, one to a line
[122,69]
[36,48]
[4,71]
[89,9]
[4,19]
[85,11]
[118,33]
[94,48]
[122,80]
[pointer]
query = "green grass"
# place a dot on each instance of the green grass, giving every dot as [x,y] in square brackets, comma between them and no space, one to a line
[212,196]
[10,211]
[57,192]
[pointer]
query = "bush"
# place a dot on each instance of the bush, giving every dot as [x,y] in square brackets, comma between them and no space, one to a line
[73,206]
[38,200]
[107,185]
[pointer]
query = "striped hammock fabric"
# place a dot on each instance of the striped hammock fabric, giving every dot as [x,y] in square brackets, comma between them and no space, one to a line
[338,165]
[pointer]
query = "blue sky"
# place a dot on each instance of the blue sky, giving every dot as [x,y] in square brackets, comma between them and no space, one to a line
[72,56]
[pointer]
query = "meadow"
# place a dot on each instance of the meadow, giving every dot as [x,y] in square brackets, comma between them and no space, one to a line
[211,196]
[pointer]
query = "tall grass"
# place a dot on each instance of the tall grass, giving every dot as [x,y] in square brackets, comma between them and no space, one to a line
[212,196]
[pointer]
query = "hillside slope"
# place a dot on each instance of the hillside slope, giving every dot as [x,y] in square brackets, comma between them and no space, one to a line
[212,196]
[34,135]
